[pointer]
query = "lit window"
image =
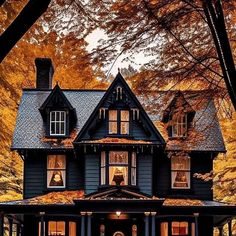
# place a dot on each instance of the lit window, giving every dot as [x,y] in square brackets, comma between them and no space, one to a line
[56,170]
[134,230]
[164,229]
[103,168]
[118,168]
[121,168]
[179,228]
[180,172]
[112,121]
[57,123]
[56,228]
[133,169]
[119,122]
[124,122]
[179,125]
[72,229]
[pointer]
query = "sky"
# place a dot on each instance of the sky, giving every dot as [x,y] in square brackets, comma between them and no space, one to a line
[98,34]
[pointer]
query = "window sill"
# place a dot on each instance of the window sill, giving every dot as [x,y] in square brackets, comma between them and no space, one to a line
[131,187]
[181,191]
[48,190]
[57,136]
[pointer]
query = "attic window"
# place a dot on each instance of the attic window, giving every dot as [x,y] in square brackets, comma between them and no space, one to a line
[179,126]
[119,93]
[57,123]
[135,114]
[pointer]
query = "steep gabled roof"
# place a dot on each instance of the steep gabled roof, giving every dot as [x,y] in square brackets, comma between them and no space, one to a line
[29,129]
[119,80]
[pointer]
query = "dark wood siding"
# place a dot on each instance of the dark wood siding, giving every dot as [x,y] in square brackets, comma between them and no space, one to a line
[35,174]
[144,174]
[92,170]
[200,189]
[35,171]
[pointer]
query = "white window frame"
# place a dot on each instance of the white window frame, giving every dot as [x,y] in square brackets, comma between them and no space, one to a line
[187,172]
[58,122]
[179,126]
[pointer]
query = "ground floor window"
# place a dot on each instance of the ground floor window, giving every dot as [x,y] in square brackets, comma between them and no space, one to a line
[181,228]
[55,228]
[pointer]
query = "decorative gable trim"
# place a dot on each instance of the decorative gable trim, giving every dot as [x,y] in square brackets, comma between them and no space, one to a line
[57,101]
[117,93]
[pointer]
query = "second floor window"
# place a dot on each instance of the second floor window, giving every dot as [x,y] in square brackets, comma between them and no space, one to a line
[119,122]
[56,171]
[118,168]
[179,125]
[180,172]
[57,123]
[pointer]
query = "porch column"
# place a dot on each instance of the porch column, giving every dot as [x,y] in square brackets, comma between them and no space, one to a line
[10,226]
[89,233]
[42,233]
[82,232]
[1,223]
[146,223]
[153,215]
[196,215]
[230,227]
[220,230]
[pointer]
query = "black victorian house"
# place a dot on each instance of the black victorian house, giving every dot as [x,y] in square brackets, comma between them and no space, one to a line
[110,163]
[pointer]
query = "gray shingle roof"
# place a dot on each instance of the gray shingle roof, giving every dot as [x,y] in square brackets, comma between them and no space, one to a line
[29,130]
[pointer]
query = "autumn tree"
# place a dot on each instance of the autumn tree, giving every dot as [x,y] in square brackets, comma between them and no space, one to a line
[187,40]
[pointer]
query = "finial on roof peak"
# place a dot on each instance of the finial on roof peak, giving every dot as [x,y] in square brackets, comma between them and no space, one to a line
[118,69]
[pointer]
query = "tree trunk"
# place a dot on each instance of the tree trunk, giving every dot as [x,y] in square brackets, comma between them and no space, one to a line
[215,19]
[27,17]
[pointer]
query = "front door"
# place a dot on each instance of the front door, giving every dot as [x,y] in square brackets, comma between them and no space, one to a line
[118,228]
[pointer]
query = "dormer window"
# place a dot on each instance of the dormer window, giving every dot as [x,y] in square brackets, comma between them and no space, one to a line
[179,126]
[119,122]
[57,123]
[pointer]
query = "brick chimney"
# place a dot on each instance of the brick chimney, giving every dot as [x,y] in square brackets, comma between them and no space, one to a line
[44,73]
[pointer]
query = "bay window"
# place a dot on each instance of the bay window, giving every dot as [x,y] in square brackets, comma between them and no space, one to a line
[118,122]
[180,172]
[56,171]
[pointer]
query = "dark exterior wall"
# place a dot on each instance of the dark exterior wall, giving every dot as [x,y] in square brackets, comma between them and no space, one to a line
[144,173]
[200,189]
[92,172]
[35,174]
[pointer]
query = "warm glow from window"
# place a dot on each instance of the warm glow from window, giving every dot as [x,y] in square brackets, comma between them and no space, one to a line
[57,123]
[56,170]
[180,172]
[119,122]
[164,229]
[179,228]
[118,168]
[56,228]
